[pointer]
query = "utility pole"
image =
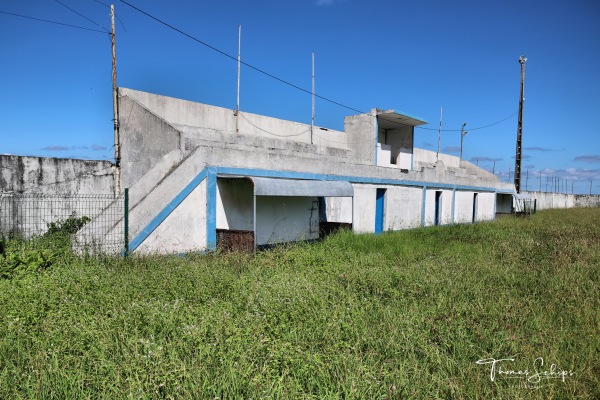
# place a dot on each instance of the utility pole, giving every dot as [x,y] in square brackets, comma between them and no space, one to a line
[312,119]
[239,60]
[462,136]
[437,155]
[117,176]
[518,155]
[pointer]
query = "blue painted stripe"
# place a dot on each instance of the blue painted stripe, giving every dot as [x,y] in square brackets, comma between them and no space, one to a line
[165,212]
[352,179]
[453,204]
[423,205]
[212,197]
[211,209]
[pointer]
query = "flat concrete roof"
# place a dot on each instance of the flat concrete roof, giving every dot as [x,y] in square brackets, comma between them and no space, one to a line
[388,119]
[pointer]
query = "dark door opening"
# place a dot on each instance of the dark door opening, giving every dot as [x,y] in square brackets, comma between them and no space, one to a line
[474,207]
[437,219]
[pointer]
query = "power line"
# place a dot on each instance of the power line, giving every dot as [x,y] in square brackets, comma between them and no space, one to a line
[51,22]
[280,79]
[81,15]
[472,129]
[242,62]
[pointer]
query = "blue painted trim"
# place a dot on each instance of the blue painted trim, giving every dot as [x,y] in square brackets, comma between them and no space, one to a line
[212,172]
[165,212]
[351,179]
[423,205]
[453,203]
[380,210]
[211,209]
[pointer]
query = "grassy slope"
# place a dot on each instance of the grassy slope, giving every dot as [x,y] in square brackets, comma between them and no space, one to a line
[401,315]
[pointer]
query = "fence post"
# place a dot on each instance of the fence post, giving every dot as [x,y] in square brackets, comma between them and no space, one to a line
[126,222]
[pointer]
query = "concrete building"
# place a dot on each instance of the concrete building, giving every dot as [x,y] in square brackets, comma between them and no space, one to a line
[201,176]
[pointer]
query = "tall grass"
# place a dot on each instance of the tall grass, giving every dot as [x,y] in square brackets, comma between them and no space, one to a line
[399,315]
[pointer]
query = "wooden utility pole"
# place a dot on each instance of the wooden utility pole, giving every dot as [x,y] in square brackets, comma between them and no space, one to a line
[518,155]
[312,119]
[115,104]
[239,61]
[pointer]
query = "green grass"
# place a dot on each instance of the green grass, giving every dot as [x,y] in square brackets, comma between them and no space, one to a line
[399,315]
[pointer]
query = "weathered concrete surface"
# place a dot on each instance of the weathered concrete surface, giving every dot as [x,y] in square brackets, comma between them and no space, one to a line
[23,174]
[547,200]
[184,230]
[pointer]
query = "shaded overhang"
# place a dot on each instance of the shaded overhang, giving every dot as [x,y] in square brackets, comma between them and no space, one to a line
[391,119]
[298,187]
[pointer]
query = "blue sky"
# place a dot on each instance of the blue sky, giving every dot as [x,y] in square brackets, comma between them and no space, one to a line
[413,57]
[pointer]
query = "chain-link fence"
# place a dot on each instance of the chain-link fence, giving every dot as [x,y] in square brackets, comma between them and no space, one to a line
[93,224]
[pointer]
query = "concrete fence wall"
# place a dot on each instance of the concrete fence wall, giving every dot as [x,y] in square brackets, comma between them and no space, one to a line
[49,176]
[546,200]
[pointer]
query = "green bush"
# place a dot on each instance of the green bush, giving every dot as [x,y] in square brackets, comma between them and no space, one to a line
[27,256]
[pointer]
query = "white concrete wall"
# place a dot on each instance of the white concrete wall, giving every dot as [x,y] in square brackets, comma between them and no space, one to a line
[403,207]
[445,204]
[184,230]
[364,207]
[485,206]
[281,219]
[362,136]
[339,209]
[427,156]
[235,204]
[183,112]
[463,211]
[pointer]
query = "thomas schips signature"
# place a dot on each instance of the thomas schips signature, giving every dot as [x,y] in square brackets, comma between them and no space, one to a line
[499,369]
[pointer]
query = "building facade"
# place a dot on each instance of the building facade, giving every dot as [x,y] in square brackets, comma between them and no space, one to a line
[202,177]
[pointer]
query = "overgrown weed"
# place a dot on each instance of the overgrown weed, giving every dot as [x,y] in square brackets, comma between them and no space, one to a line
[398,315]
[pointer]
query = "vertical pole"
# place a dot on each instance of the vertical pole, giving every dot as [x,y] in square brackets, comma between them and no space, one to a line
[239,60]
[312,120]
[572,187]
[527,180]
[518,155]
[126,221]
[591,180]
[462,136]
[437,155]
[117,176]
[540,182]
[494,168]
